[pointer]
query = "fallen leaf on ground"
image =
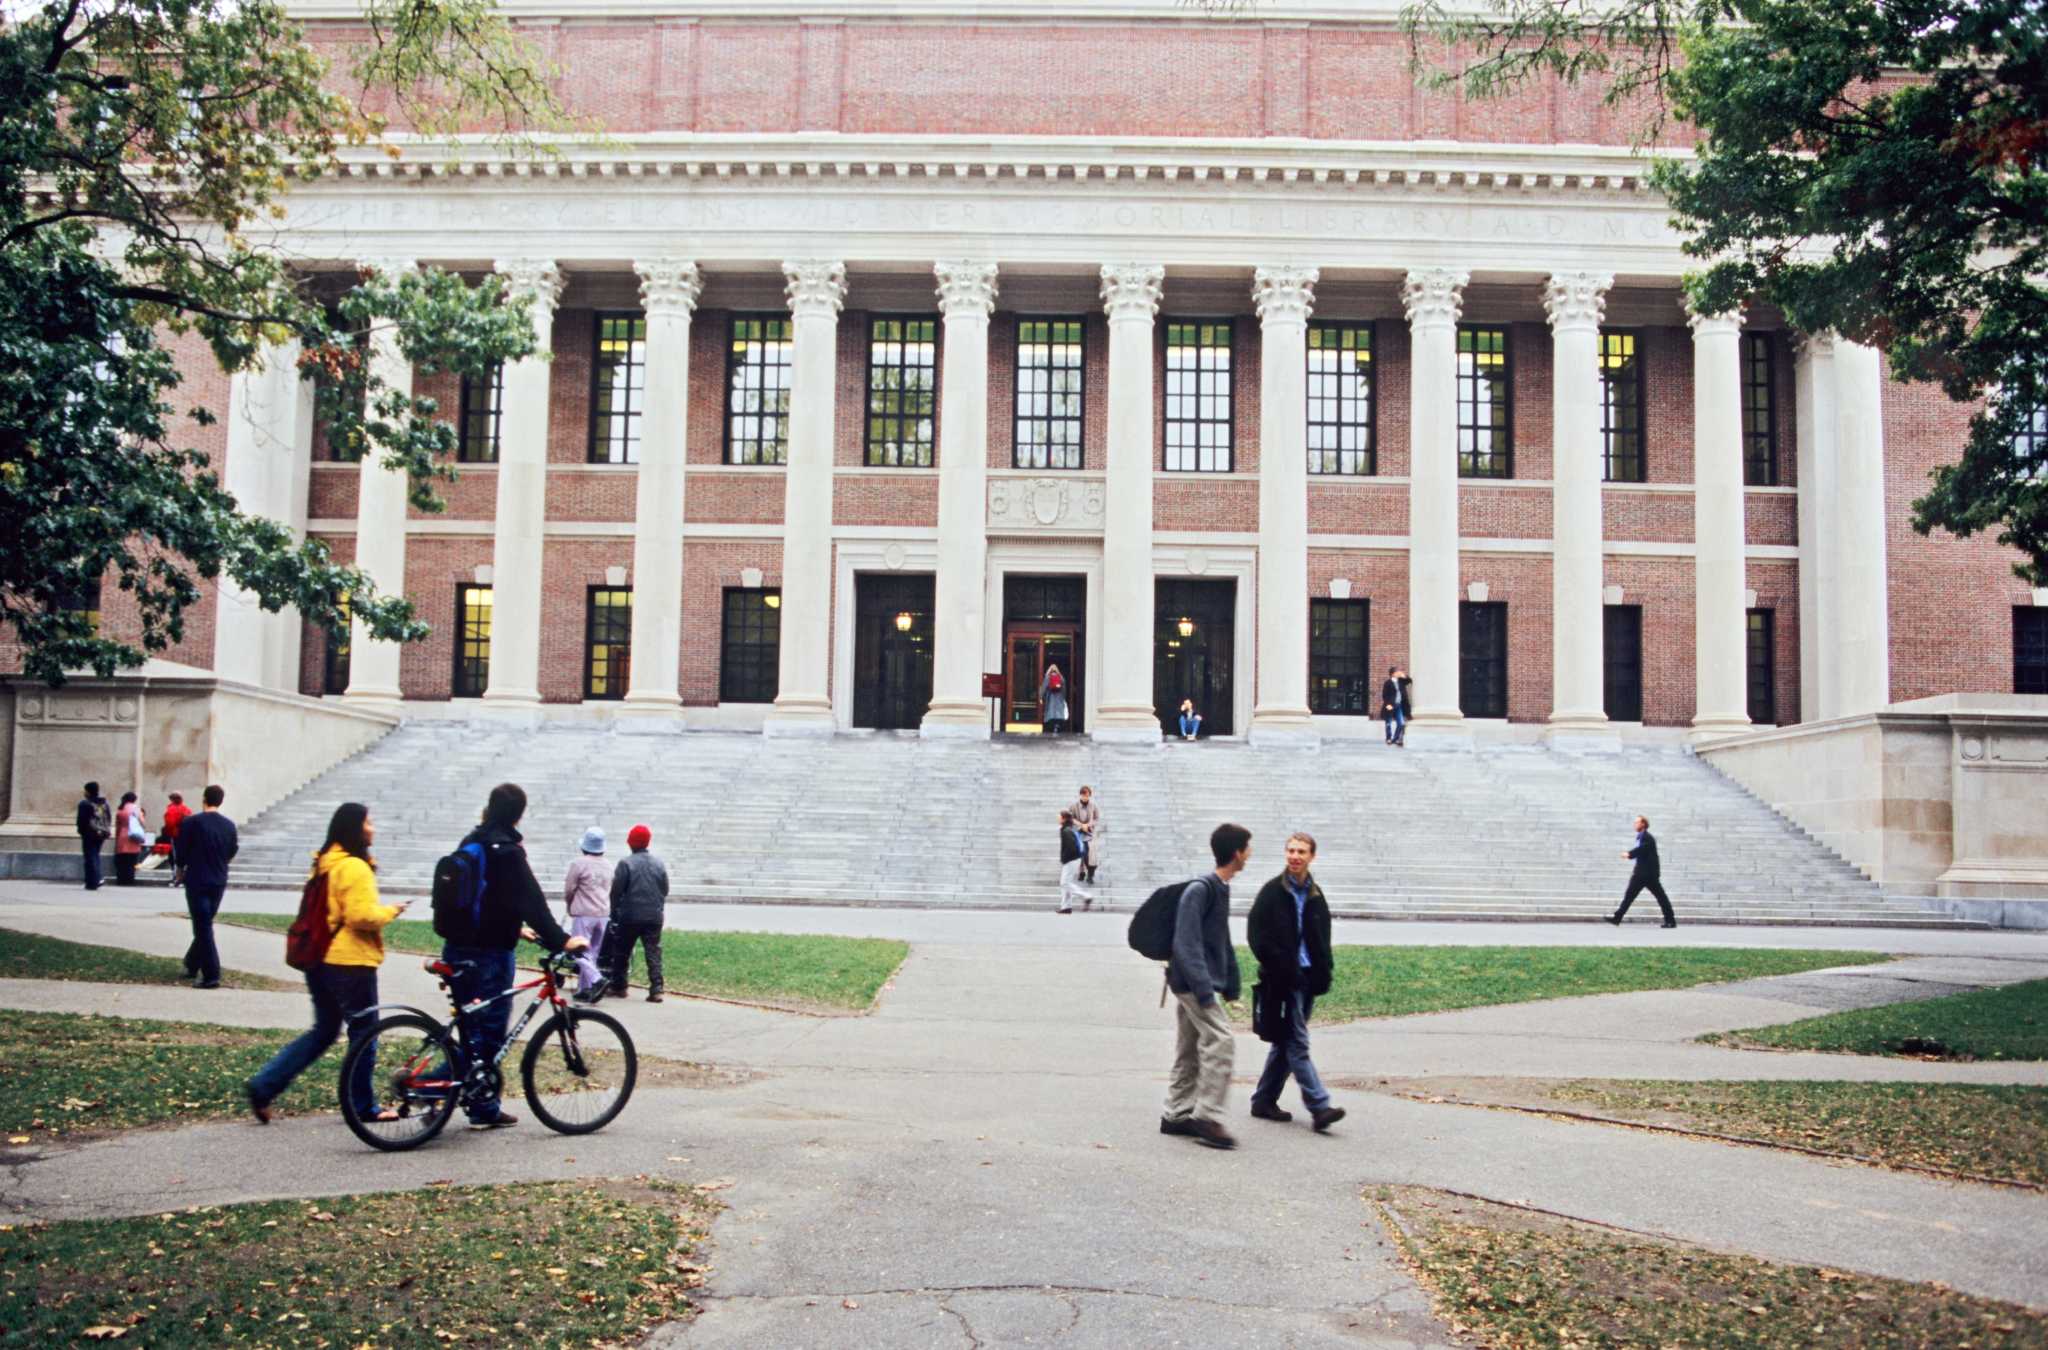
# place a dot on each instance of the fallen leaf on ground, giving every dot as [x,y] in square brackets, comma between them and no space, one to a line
[849,1304]
[104,1333]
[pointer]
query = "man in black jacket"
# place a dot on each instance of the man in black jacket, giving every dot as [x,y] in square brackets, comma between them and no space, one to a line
[1202,972]
[512,900]
[207,843]
[1647,876]
[1394,708]
[95,823]
[1289,934]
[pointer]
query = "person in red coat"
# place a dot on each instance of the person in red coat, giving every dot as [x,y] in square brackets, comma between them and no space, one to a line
[174,816]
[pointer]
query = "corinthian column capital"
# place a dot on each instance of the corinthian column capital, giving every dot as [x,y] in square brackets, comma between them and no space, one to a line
[1576,299]
[1284,294]
[1132,290]
[966,289]
[1728,321]
[815,286]
[669,285]
[537,277]
[1432,295]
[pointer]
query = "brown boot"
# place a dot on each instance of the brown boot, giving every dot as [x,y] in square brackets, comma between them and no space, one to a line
[1212,1133]
[1265,1112]
[1326,1117]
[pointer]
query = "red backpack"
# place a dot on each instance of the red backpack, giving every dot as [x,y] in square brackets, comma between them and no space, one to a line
[307,940]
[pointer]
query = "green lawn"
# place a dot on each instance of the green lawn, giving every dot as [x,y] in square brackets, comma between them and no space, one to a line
[31,956]
[1397,981]
[555,1263]
[2005,1023]
[786,969]
[1992,1131]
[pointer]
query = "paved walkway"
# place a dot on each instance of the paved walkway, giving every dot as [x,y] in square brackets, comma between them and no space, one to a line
[978,1162]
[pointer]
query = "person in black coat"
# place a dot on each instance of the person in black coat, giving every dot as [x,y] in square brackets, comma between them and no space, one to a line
[1289,934]
[1647,876]
[1394,707]
[95,823]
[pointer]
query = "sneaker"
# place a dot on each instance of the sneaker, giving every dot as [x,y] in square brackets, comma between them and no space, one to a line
[503,1120]
[1064,909]
[1614,919]
[1176,1125]
[215,984]
[654,997]
[1265,1112]
[1212,1133]
[257,1106]
[1326,1117]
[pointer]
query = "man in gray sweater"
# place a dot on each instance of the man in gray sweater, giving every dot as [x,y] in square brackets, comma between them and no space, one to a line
[639,898]
[1202,972]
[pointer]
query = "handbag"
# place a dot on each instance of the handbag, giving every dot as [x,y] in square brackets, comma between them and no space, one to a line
[136,834]
[1272,1014]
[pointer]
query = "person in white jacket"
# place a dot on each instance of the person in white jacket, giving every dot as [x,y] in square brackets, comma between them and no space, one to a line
[588,891]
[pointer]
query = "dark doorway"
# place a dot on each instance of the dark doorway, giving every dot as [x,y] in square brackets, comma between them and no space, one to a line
[1763,667]
[1623,648]
[892,650]
[1483,658]
[1044,620]
[1194,636]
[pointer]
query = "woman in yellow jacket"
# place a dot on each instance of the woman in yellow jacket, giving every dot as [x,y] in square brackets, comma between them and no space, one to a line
[345,984]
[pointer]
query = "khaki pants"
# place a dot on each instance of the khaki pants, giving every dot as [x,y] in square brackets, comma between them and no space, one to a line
[1203,1053]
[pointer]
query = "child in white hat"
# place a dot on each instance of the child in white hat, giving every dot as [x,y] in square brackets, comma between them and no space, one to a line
[588,889]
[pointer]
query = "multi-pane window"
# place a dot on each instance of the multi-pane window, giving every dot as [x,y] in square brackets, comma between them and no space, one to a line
[334,671]
[472,640]
[618,391]
[607,642]
[2030,442]
[903,392]
[1621,409]
[1622,652]
[481,417]
[1339,673]
[82,599]
[1050,389]
[1763,667]
[1485,421]
[1759,410]
[1340,399]
[757,365]
[1198,397]
[2029,650]
[750,650]
[1483,658]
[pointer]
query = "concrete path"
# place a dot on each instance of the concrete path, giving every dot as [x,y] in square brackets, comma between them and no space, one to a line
[978,1162]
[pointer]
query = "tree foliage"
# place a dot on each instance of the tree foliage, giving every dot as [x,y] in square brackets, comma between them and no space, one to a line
[1875,168]
[146,149]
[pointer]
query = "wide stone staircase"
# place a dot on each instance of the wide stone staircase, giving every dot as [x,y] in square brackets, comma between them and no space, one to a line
[1504,832]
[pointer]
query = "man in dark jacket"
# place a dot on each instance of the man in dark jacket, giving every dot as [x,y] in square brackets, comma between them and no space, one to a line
[207,843]
[639,901]
[1289,934]
[95,823]
[1202,973]
[1394,709]
[512,901]
[1647,876]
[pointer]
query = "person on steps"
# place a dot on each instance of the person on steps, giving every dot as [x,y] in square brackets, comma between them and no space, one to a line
[207,843]
[1190,720]
[1289,934]
[95,823]
[1394,705]
[344,984]
[639,900]
[588,894]
[1202,973]
[131,838]
[1647,876]
[1052,697]
[1088,820]
[1073,855]
[174,816]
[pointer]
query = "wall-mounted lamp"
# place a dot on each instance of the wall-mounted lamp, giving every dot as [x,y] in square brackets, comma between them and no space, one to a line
[1187,627]
[903,621]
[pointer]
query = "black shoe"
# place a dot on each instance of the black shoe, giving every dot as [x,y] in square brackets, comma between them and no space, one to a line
[215,984]
[1172,1125]
[1265,1112]
[1212,1134]
[503,1120]
[1670,923]
[1614,919]
[257,1106]
[1326,1117]
[654,997]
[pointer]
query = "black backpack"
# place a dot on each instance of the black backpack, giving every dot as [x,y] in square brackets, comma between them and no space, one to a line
[1152,926]
[459,881]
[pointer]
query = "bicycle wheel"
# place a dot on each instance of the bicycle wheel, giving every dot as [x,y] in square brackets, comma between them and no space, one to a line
[579,1069]
[413,1070]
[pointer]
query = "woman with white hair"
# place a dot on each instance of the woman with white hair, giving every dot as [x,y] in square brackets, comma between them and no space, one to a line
[588,889]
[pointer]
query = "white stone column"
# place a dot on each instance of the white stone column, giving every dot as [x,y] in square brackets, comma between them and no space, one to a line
[1819,527]
[1283,297]
[1431,297]
[803,707]
[967,295]
[513,689]
[1863,631]
[1720,570]
[268,469]
[380,525]
[1124,712]
[668,292]
[1575,301]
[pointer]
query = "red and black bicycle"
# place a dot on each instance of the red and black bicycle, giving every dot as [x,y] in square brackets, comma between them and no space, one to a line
[578,1069]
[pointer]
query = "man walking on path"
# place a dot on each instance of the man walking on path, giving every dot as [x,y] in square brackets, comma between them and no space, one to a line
[1289,934]
[1088,820]
[207,843]
[1202,973]
[95,823]
[639,899]
[512,900]
[588,894]
[1646,877]
[1073,858]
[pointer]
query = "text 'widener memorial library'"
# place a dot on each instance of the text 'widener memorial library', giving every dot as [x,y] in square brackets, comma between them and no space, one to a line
[1211,357]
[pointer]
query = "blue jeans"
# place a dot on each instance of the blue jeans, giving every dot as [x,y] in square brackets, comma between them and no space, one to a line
[91,849]
[202,958]
[1189,725]
[490,972]
[1397,722]
[339,993]
[1291,1057]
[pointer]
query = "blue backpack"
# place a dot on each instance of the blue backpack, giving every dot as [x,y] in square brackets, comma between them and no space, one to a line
[459,882]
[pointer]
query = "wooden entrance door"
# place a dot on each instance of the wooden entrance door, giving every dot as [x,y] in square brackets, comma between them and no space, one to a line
[1027,651]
